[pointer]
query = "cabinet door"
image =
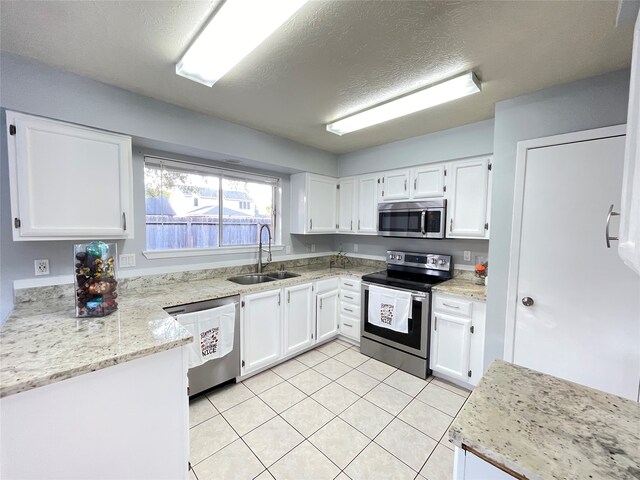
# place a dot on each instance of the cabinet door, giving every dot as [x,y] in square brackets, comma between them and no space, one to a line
[367,205]
[68,181]
[261,330]
[395,185]
[428,181]
[321,204]
[327,314]
[346,205]
[467,195]
[450,342]
[298,318]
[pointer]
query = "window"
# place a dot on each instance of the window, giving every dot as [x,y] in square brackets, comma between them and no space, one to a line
[198,206]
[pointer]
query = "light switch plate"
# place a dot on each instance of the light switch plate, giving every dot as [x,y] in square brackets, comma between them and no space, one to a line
[126,260]
[355,248]
[467,255]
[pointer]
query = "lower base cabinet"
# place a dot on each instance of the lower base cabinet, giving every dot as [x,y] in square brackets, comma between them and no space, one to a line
[457,338]
[261,330]
[299,331]
[327,314]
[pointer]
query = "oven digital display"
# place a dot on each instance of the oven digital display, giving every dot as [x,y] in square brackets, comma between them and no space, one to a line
[415,258]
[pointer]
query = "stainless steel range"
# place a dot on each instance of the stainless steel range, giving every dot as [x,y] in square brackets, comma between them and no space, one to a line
[415,273]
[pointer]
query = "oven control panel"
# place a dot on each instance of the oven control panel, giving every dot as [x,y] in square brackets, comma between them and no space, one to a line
[429,261]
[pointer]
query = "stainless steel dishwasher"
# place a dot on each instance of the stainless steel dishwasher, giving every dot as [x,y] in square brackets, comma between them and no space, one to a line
[219,370]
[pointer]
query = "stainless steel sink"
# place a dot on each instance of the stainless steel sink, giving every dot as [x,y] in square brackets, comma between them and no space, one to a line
[282,275]
[251,279]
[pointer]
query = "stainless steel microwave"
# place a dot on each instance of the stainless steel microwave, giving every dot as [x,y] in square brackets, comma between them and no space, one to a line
[412,219]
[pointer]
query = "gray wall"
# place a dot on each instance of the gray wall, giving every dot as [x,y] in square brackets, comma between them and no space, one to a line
[592,103]
[41,90]
[466,141]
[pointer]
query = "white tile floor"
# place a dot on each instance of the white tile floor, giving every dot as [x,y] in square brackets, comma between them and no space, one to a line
[329,413]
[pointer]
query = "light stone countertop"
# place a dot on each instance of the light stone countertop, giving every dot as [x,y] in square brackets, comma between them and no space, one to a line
[542,427]
[42,342]
[462,286]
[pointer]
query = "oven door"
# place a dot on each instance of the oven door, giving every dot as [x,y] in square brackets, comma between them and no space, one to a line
[416,340]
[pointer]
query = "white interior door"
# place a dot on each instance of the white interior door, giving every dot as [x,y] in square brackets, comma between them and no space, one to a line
[584,323]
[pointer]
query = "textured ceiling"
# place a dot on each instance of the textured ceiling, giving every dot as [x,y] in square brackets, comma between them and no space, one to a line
[331,59]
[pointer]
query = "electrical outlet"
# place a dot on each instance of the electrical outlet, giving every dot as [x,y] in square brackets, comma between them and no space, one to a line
[308,248]
[127,260]
[355,248]
[467,255]
[313,247]
[42,267]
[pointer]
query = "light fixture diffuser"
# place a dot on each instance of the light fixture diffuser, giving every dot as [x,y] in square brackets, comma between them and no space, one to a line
[452,89]
[237,28]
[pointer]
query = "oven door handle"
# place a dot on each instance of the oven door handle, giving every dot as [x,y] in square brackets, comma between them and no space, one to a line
[415,296]
[422,222]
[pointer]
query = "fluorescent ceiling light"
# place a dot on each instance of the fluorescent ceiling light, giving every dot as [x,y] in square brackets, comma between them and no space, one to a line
[237,28]
[456,87]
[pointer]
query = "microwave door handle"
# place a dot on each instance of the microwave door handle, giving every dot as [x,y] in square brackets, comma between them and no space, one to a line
[422,222]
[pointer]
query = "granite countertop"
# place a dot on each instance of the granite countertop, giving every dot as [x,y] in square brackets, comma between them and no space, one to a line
[462,286]
[542,427]
[43,342]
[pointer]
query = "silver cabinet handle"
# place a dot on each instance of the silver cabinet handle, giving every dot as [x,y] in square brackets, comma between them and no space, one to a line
[348,284]
[348,309]
[405,184]
[278,299]
[320,304]
[423,221]
[124,221]
[415,183]
[527,301]
[289,296]
[347,296]
[351,225]
[311,224]
[451,224]
[606,231]
[347,325]
[450,306]
[435,324]
[358,224]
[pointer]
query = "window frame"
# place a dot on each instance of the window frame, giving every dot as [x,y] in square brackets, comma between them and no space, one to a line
[222,174]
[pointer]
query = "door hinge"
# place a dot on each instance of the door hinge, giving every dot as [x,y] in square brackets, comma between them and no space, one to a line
[12,129]
[378,181]
[17,223]
[469,374]
[490,166]
[242,303]
[472,329]
[486,226]
[242,363]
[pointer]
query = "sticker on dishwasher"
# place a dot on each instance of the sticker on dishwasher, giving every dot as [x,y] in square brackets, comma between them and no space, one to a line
[209,342]
[386,313]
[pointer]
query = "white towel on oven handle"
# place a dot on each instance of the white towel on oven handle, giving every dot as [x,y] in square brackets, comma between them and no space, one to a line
[389,308]
[212,331]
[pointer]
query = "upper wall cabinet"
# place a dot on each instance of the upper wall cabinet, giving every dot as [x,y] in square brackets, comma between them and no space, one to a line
[367,205]
[427,181]
[395,185]
[468,184]
[67,181]
[313,203]
[347,199]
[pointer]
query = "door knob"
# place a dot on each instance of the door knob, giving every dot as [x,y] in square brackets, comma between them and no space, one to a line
[527,301]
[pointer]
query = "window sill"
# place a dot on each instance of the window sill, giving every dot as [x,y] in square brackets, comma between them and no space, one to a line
[199,252]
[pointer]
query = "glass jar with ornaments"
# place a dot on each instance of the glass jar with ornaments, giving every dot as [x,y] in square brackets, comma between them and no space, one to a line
[95,279]
[481,271]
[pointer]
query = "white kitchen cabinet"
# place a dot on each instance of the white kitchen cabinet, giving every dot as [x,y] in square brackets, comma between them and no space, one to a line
[313,203]
[457,338]
[395,185]
[467,198]
[327,314]
[350,305]
[367,206]
[629,246]
[427,181]
[261,334]
[68,181]
[298,321]
[347,209]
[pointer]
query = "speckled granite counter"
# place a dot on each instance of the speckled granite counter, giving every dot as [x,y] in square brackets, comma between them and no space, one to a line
[542,427]
[463,285]
[42,342]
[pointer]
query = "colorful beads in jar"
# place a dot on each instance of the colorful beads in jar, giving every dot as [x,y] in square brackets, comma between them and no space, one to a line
[95,279]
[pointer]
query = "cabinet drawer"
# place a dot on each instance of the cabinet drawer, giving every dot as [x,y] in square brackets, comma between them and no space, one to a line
[327,285]
[349,309]
[463,308]
[350,284]
[347,296]
[350,327]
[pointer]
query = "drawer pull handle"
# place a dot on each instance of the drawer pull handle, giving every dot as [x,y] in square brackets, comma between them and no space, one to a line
[450,306]
[348,309]
[347,325]
[347,296]
[348,284]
